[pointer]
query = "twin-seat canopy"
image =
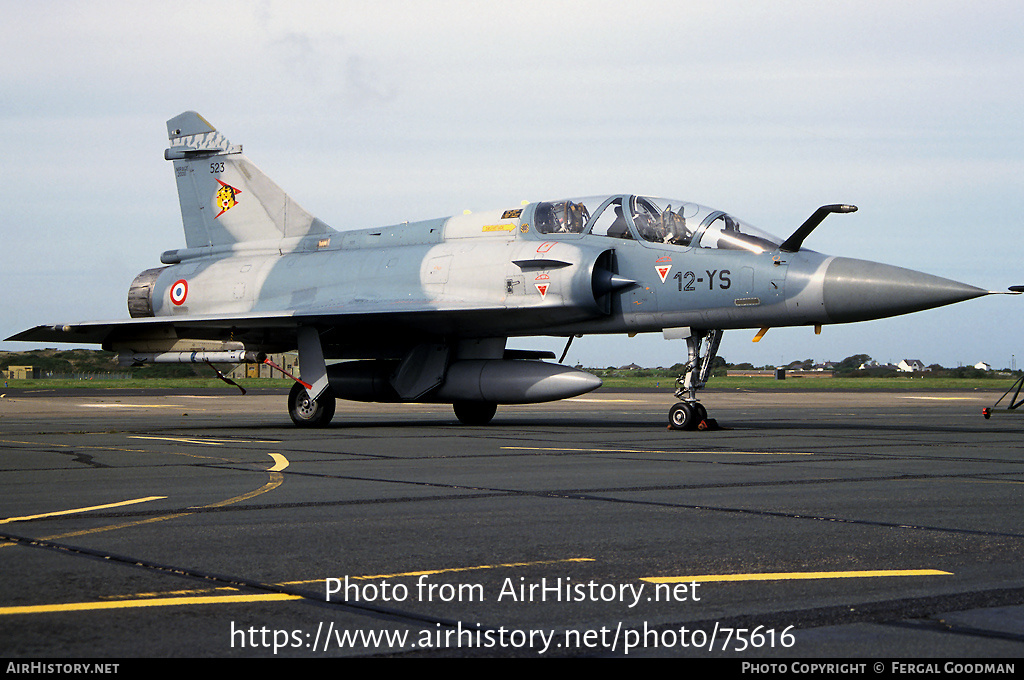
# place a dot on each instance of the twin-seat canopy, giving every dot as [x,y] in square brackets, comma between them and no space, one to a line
[654,220]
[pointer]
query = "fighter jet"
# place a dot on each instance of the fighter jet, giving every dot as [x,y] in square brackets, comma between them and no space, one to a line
[422,311]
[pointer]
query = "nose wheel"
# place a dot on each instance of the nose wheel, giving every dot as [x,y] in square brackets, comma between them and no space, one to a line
[690,416]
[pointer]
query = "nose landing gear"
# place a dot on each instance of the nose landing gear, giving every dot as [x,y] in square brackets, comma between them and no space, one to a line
[688,413]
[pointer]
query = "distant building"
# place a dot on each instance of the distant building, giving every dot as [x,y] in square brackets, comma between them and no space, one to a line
[872,364]
[982,366]
[289,361]
[912,366]
[21,373]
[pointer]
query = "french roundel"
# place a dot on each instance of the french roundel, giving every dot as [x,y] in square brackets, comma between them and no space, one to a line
[179,291]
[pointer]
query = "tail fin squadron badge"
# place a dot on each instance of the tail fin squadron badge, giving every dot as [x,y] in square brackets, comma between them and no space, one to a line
[225,198]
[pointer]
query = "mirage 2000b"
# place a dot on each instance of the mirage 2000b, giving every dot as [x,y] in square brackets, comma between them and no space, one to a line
[422,311]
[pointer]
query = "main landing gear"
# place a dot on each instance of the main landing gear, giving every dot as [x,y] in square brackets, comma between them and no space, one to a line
[306,412]
[688,413]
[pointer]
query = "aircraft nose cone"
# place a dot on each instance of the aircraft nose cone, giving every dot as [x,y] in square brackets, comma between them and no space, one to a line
[858,290]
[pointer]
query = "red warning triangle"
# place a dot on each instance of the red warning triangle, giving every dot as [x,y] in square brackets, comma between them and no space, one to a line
[543,288]
[663,270]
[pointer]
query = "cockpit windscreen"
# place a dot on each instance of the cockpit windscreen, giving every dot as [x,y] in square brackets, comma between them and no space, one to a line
[652,220]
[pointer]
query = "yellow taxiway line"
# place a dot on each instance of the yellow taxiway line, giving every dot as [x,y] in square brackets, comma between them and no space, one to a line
[279,597]
[795,575]
[77,510]
[276,480]
[154,602]
[230,599]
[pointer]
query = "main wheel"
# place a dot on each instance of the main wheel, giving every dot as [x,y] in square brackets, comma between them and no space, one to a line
[306,412]
[682,416]
[474,412]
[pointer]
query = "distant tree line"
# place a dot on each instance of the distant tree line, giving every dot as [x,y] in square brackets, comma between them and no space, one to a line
[850,367]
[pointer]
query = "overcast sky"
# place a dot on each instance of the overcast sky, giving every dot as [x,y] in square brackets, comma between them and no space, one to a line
[376,113]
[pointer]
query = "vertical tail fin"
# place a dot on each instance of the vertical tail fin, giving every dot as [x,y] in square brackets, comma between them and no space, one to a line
[224,198]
